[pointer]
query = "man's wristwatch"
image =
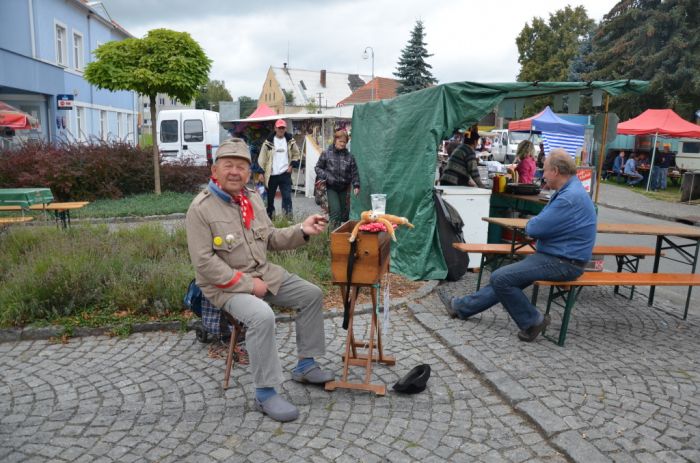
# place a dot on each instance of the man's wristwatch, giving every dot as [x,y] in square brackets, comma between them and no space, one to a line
[301,227]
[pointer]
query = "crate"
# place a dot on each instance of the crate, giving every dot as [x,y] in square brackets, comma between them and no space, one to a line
[372,256]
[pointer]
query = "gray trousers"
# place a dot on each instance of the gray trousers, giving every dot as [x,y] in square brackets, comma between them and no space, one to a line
[259,319]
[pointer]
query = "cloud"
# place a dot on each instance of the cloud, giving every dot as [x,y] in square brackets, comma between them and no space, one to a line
[245,38]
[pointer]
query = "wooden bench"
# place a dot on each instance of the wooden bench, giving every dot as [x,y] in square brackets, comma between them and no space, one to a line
[566,292]
[6,221]
[60,210]
[627,257]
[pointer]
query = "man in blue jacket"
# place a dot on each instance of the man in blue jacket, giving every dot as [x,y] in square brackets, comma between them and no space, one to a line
[565,231]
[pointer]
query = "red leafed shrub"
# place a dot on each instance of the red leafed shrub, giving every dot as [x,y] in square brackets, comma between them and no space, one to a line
[97,171]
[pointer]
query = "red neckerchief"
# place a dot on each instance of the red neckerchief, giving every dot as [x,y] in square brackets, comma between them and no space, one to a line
[242,201]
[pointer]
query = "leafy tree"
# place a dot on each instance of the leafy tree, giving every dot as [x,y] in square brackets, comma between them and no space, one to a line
[248,105]
[547,49]
[412,70]
[164,61]
[209,95]
[288,96]
[651,40]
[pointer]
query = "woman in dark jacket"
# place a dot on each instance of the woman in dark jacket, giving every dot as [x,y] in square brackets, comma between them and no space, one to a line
[337,168]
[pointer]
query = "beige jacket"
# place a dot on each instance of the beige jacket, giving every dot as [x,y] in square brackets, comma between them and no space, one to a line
[225,255]
[267,153]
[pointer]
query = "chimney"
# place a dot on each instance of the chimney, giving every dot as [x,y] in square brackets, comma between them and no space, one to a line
[323,78]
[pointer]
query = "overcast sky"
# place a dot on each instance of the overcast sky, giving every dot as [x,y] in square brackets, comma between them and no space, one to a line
[469,40]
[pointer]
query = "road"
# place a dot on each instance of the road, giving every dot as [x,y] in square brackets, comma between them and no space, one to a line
[677,295]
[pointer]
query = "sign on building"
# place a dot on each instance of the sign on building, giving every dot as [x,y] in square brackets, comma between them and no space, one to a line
[64,102]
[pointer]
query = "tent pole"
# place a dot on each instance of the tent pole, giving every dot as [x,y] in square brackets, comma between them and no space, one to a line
[653,155]
[301,161]
[602,147]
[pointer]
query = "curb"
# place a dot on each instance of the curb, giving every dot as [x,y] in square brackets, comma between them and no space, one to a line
[47,332]
[682,220]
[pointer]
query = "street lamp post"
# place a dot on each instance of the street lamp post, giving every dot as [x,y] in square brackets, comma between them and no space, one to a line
[365,56]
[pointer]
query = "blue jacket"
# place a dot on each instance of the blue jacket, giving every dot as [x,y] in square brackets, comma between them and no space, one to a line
[618,165]
[566,227]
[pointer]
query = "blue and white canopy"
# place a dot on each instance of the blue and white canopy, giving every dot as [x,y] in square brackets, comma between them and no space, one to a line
[556,132]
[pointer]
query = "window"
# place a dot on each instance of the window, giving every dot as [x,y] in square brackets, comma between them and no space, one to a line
[61,50]
[145,105]
[103,125]
[168,131]
[161,101]
[691,147]
[121,122]
[192,130]
[130,127]
[78,51]
[173,101]
[79,123]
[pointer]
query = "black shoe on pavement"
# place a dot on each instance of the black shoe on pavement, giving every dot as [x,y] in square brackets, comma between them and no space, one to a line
[447,302]
[531,333]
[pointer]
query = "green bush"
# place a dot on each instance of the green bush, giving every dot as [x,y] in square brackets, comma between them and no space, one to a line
[85,172]
[47,274]
[91,273]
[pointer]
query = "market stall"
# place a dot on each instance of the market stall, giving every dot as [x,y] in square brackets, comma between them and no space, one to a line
[555,131]
[312,132]
[658,122]
[394,145]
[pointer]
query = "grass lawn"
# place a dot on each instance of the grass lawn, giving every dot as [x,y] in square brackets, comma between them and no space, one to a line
[671,194]
[138,206]
[131,206]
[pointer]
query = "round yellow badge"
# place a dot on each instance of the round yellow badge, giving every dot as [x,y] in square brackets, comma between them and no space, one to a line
[218,241]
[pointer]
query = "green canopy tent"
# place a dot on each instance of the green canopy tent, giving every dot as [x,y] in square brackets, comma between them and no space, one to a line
[394,143]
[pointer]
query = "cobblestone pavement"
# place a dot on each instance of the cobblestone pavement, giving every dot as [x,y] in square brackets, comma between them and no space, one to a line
[158,397]
[624,387]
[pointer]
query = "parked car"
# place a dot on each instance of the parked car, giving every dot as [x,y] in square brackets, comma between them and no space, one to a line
[188,134]
[505,144]
[688,155]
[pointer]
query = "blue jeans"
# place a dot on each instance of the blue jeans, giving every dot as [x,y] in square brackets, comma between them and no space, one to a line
[655,177]
[507,284]
[284,182]
[634,178]
[663,175]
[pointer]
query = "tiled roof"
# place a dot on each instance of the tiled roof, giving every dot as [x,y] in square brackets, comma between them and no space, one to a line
[306,85]
[384,89]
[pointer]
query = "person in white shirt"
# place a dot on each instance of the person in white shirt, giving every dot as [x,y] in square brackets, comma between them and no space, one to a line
[278,156]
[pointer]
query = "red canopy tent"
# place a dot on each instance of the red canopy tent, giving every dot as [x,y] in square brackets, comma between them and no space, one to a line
[262,111]
[659,122]
[15,119]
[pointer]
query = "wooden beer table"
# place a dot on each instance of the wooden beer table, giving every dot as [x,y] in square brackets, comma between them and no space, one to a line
[666,238]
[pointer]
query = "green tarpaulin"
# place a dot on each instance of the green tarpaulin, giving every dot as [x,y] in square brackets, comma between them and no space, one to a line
[395,144]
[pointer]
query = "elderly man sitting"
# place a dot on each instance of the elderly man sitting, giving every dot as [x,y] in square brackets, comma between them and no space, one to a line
[565,231]
[228,235]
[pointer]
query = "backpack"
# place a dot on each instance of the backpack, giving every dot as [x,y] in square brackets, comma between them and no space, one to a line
[193,298]
[449,228]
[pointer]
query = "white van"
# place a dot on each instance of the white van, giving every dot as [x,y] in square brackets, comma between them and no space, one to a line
[505,144]
[188,134]
[688,155]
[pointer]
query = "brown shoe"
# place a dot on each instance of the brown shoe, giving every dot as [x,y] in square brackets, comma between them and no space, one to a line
[530,334]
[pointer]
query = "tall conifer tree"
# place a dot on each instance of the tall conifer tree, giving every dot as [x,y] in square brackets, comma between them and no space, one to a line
[413,71]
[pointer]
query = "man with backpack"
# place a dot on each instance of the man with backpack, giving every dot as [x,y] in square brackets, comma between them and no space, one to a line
[228,235]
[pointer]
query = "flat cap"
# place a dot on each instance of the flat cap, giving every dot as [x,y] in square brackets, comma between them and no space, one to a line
[233,148]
